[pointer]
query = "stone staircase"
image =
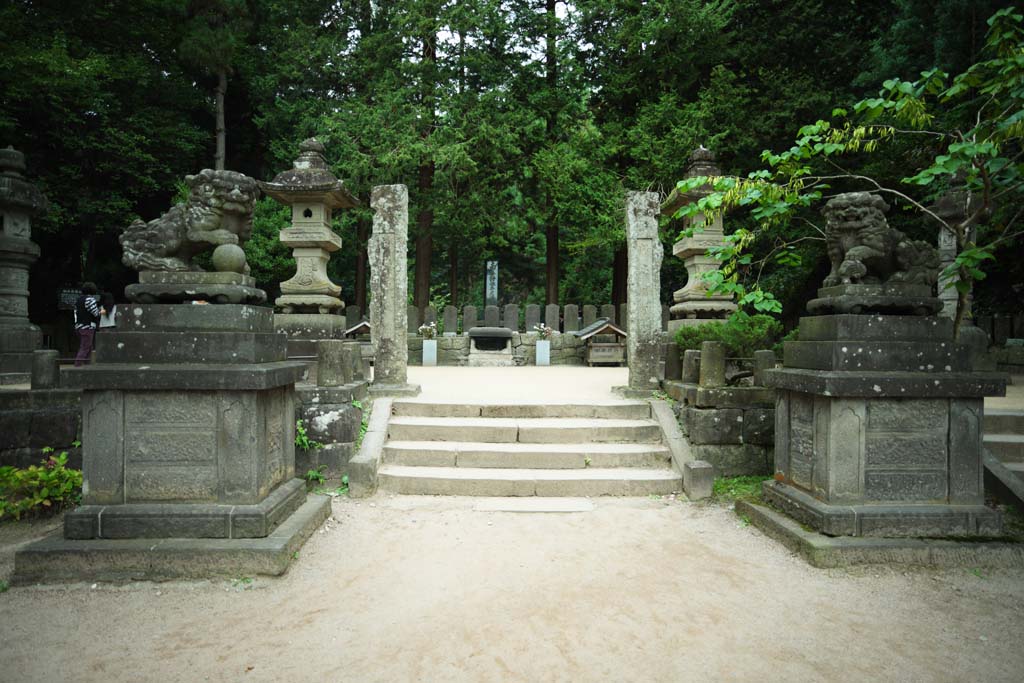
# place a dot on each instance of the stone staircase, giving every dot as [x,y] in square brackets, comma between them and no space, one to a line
[613,449]
[1004,437]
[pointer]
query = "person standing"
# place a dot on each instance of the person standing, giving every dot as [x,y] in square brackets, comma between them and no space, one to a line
[87,317]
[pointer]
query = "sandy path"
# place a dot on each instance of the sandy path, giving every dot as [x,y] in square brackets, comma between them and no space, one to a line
[423,589]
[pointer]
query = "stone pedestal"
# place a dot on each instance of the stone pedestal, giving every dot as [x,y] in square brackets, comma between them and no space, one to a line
[879,421]
[188,428]
[19,202]
[692,304]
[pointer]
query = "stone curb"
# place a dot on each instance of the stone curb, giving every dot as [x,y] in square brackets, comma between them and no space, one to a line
[1007,486]
[826,552]
[362,468]
[58,560]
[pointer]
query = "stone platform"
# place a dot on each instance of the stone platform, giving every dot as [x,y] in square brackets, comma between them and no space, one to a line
[55,559]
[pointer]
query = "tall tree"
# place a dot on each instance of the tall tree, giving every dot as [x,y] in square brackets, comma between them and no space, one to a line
[216,31]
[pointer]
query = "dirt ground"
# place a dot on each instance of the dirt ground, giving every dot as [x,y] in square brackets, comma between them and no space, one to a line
[428,589]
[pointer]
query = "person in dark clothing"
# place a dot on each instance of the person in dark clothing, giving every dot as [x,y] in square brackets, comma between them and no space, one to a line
[108,320]
[87,317]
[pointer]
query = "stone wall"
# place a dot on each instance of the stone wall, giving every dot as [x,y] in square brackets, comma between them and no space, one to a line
[330,419]
[566,349]
[731,426]
[33,420]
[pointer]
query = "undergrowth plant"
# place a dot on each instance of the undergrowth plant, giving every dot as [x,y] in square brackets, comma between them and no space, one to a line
[39,489]
[302,439]
[741,333]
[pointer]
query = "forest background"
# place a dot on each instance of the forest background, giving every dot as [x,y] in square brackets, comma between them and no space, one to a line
[518,125]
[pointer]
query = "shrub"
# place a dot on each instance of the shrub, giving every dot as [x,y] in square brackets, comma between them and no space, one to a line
[741,333]
[45,488]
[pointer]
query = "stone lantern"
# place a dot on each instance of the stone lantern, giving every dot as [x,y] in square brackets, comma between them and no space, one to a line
[19,202]
[314,193]
[692,304]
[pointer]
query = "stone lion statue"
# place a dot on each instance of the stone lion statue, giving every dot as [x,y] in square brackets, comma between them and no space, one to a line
[218,211]
[863,248]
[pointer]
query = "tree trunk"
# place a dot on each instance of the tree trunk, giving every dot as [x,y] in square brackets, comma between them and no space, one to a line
[424,238]
[552,261]
[619,266]
[453,274]
[222,89]
[362,239]
[551,76]
[425,217]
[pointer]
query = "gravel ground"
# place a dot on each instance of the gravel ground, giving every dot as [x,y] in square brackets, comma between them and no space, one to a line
[397,588]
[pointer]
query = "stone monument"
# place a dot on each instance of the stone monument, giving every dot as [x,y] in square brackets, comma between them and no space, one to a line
[389,284]
[693,305]
[643,280]
[878,415]
[19,202]
[188,414]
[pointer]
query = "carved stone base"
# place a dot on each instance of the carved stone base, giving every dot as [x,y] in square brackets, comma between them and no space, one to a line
[890,299]
[308,303]
[180,287]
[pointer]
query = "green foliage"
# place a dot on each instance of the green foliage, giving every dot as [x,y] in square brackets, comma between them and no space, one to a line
[741,333]
[364,421]
[730,489]
[315,476]
[39,489]
[302,439]
[4,586]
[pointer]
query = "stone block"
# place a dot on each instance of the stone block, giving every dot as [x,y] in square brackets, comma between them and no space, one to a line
[14,429]
[712,364]
[589,314]
[608,311]
[857,356]
[571,322]
[174,318]
[532,317]
[735,460]
[714,426]
[311,325]
[429,315]
[190,347]
[451,320]
[552,318]
[491,316]
[54,428]
[413,319]
[469,318]
[332,423]
[45,369]
[759,426]
[870,328]
[353,315]
[690,371]
[331,369]
[510,317]
[698,479]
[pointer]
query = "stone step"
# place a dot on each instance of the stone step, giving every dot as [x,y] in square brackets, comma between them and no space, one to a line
[1007,447]
[472,481]
[623,410]
[525,430]
[1017,468]
[523,455]
[1004,421]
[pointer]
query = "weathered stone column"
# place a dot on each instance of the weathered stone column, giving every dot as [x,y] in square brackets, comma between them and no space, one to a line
[19,201]
[389,290]
[643,281]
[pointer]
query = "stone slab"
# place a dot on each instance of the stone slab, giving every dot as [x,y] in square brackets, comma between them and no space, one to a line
[193,318]
[868,328]
[860,356]
[823,551]
[183,376]
[884,520]
[190,347]
[888,384]
[186,520]
[55,559]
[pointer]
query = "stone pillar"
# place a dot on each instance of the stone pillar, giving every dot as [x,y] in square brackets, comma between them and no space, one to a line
[692,305]
[643,290]
[389,286]
[19,202]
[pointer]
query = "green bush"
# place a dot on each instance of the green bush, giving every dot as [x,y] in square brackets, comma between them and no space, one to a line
[45,488]
[741,333]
